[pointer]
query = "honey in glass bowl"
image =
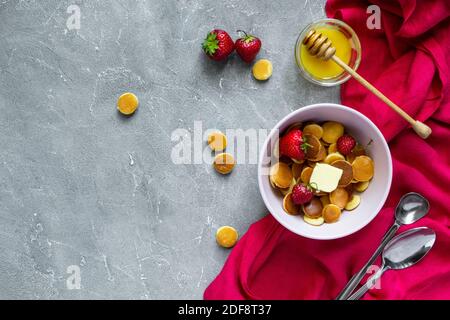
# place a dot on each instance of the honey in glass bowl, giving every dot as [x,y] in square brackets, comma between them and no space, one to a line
[348,49]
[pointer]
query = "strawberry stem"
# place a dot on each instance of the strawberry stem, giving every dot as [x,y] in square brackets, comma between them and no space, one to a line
[242,31]
[247,37]
[304,146]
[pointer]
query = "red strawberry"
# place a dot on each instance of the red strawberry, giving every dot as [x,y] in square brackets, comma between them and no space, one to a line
[292,145]
[345,144]
[218,45]
[247,46]
[301,194]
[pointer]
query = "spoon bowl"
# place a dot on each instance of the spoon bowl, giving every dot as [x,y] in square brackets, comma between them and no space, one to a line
[411,207]
[408,248]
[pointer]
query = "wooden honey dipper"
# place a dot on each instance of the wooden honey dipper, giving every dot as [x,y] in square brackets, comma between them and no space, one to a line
[320,46]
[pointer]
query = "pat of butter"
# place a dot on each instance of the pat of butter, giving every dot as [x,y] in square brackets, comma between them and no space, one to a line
[325,177]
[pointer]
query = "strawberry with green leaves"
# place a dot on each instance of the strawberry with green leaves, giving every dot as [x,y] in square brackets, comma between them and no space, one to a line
[247,46]
[345,144]
[292,145]
[218,45]
[302,193]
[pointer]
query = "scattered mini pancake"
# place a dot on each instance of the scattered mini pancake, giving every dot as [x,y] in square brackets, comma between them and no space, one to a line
[325,200]
[296,170]
[358,150]
[332,157]
[262,69]
[313,147]
[332,131]
[363,168]
[331,213]
[332,148]
[353,203]
[362,186]
[313,209]
[289,206]
[347,172]
[314,222]
[127,103]
[306,174]
[224,163]
[321,155]
[339,197]
[226,236]
[217,141]
[281,175]
[313,129]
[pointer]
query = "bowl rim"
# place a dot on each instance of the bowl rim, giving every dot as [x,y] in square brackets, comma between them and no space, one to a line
[275,130]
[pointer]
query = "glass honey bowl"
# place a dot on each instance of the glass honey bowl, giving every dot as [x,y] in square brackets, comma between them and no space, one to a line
[348,49]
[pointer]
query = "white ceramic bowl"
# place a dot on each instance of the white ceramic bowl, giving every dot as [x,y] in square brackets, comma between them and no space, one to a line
[372,199]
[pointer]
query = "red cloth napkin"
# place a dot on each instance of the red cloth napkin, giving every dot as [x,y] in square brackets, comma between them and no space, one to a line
[408,60]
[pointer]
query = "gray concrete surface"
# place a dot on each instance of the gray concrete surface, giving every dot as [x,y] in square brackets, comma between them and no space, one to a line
[82,186]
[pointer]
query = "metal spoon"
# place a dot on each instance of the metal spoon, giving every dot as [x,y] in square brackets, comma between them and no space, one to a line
[411,207]
[401,252]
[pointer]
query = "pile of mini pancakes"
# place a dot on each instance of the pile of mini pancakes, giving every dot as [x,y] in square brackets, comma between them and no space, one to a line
[357,171]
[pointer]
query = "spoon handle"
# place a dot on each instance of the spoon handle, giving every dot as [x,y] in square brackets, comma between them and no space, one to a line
[368,285]
[356,279]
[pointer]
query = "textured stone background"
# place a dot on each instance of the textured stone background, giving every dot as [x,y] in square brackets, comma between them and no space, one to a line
[81,185]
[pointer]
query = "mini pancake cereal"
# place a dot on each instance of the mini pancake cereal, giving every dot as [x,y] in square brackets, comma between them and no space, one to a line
[313,129]
[331,213]
[363,168]
[318,175]
[332,157]
[355,200]
[347,172]
[332,131]
[262,69]
[332,148]
[339,197]
[313,209]
[281,175]
[289,206]
[226,236]
[224,163]
[361,186]
[127,103]
[306,174]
